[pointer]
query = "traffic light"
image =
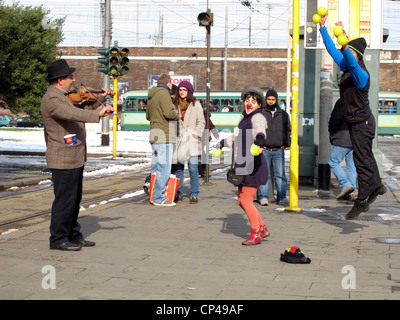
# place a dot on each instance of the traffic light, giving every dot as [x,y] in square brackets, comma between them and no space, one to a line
[118,61]
[124,61]
[113,66]
[115,61]
[104,61]
[205,19]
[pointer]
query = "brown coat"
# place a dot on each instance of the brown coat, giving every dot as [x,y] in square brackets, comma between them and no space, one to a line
[61,117]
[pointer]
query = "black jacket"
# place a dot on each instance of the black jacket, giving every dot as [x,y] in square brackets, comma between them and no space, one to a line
[355,101]
[338,130]
[278,130]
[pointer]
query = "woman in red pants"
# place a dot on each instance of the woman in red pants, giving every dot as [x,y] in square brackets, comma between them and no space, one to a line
[251,130]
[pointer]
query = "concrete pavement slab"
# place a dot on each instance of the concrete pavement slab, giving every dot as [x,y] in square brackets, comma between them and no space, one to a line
[194,251]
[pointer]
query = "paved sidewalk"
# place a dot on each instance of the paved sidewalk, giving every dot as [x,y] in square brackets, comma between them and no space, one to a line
[194,251]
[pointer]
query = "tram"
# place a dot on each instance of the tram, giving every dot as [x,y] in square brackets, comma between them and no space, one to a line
[226,108]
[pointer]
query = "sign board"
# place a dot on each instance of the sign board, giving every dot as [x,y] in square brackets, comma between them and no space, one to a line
[360,18]
[176,79]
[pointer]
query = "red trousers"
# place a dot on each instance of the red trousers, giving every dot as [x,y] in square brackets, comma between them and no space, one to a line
[245,200]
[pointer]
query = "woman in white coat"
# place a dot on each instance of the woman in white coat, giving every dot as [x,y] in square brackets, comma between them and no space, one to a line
[191,124]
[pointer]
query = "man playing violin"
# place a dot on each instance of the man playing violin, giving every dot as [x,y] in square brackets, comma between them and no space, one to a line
[66,161]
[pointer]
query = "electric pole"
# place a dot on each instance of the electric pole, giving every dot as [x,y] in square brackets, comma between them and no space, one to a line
[105,121]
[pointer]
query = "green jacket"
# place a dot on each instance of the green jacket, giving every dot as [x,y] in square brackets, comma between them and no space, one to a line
[162,115]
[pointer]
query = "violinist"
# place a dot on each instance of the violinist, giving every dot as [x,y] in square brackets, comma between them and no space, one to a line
[66,161]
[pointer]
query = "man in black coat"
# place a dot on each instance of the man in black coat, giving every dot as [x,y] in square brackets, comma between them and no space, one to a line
[278,138]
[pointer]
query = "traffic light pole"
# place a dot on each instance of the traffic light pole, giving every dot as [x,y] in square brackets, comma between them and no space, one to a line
[294,145]
[205,19]
[115,118]
[207,180]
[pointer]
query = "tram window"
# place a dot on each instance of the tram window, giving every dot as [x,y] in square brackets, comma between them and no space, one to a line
[238,105]
[226,105]
[282,104]
[215,105]
[380,109]
[131,104]
[202,102]
[142,104]
[390,106]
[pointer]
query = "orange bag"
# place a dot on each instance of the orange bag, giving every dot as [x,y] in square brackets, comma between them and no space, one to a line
[171,188]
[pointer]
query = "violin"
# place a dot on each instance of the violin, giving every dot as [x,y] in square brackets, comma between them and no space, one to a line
[84,94]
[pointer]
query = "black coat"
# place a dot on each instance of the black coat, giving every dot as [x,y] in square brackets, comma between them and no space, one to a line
[278,130]
[338,130]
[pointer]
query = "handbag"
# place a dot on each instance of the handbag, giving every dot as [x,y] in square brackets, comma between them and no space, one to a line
[182,152]
[236,179]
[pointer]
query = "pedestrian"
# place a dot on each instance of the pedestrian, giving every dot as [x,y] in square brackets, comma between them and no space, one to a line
[192,123]
[251,129]
[163,119]
[342,148]
[146,186]
[356,111]
[277,139]
[66,162]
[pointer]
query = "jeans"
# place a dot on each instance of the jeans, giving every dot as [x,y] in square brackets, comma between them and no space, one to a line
[161,161]
[178,170]
[277,158]
[344,179]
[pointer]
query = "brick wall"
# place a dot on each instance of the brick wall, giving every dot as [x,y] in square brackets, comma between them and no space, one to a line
[246,67]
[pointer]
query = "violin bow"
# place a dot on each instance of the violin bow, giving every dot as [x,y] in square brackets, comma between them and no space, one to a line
[87,90]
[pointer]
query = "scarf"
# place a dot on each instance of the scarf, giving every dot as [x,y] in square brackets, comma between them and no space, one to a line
[183,105]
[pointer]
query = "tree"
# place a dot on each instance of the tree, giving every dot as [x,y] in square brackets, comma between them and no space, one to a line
[28,43]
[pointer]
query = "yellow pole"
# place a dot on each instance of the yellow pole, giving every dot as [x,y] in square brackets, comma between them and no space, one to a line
[115,118]
[294,146]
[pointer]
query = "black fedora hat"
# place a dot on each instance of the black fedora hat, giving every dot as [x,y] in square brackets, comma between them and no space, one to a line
[58,69]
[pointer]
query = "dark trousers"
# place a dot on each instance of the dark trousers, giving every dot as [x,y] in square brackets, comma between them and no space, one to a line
[64,224]
[361,135]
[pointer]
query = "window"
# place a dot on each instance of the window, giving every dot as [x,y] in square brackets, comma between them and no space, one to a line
[130,104]
[135,104]
[142,104]
[388,106]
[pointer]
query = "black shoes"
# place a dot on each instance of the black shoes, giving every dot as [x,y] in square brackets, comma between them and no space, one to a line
[359,207]
[379,191]
[74,245]
[66,246]
[84,243]
[363,205]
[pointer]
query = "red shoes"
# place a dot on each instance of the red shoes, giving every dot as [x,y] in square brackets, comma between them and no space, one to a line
[256,236]
[264,231]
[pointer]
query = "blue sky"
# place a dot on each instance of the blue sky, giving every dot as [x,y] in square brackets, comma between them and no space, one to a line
[262,24]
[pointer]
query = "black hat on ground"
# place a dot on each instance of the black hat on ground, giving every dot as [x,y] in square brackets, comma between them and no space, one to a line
[58,69]
[294,255]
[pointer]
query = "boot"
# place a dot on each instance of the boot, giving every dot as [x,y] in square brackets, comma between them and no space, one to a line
[264,232]
[254,238]
[359,207]
[379,191]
